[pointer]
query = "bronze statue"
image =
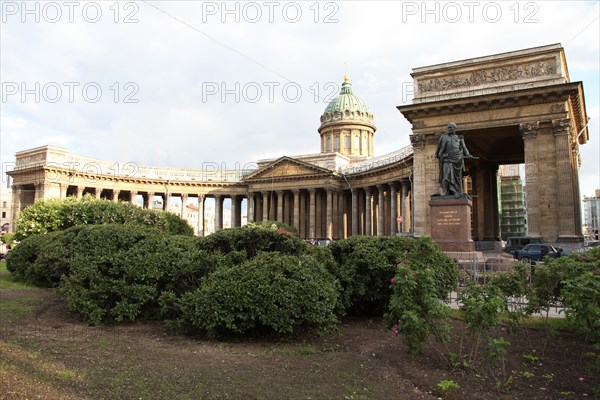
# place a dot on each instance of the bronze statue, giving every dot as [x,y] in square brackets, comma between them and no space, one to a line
[451,153]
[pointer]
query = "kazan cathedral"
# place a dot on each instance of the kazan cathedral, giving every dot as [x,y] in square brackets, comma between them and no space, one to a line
[511,108]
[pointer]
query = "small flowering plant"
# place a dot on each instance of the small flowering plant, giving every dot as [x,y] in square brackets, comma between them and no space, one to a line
[415,311]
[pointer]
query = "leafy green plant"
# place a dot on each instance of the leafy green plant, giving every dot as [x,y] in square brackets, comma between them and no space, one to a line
[480,307]
[447,385]
[531,358]
[271,292]
[366,264]
[527,374]
[53,214]
[416,310]
[494,351]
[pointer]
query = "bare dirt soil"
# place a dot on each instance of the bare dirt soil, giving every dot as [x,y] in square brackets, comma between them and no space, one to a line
[46,352]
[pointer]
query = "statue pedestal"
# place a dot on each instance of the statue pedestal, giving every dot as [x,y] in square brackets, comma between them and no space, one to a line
[451,223]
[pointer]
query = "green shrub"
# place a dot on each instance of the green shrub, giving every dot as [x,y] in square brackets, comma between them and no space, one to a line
[575,281]
[43,259]
[52,215]
[272,292]
[177,225]
[416,309]
[125,272]
[253,239]
[365,266]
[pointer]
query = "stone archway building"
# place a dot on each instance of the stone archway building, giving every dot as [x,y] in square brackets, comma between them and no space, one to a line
[517,107]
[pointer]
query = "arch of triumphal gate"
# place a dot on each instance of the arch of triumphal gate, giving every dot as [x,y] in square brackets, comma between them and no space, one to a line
[512,108]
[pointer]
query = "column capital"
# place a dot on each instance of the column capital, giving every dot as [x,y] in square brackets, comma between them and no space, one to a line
[296,191]
[561,126]
[367,189]
[312,190]
[529,129]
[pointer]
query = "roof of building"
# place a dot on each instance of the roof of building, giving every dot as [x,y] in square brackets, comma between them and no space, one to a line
[346,107]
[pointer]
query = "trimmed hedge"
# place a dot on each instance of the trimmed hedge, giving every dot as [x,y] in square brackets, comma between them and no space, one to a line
[252,239]
[52,215]
[272,292]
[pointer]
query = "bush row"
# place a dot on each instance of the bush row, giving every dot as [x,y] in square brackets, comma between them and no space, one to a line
[53,215]
[252,279]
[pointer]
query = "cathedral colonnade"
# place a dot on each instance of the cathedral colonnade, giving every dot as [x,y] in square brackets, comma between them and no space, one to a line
[327,213]
[320,213]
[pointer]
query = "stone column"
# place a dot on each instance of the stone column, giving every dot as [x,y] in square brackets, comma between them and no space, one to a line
[80,190]
[529,132]
[344,219]
[116,195]
[98,193]
[311,213]
[296,222]
[335,215]
[132,197]
[393,210]
[368,209]
[218,212]
[265,206]
[17,192]
[280,200]
[200,215]
[166,201]
[354,218]
[403,204]
[234,211]
[329,215]
[184,199]
[148,200]
[425,181]
[567,192]
[250,206]
[381,211]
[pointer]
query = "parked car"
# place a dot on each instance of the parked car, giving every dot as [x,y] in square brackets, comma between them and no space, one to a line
[515,243]
[537,251]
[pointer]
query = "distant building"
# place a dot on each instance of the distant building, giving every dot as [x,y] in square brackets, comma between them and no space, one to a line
[512,202]
[6,213]
[591,211]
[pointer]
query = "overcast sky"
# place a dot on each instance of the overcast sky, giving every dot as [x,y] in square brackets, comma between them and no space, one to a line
[182,83]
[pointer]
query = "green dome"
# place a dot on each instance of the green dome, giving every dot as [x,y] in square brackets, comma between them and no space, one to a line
[346,107]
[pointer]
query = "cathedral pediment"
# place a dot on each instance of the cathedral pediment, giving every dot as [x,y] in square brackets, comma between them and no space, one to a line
[287,168]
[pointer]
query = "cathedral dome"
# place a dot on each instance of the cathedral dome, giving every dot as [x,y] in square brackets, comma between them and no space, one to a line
[346,107]
[347,125]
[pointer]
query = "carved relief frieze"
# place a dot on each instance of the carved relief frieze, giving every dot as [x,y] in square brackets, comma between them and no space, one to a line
[489,76]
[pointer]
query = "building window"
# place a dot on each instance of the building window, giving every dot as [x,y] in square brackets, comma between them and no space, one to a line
[336,145]
[3,214]
[4,204]
[346,142]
